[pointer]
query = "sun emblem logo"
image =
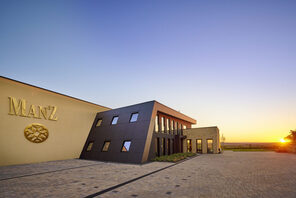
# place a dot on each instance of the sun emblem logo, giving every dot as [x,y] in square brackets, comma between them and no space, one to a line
[36,133]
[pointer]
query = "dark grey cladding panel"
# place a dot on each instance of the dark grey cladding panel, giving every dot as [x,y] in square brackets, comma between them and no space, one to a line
[136,132]
[114,153]
[144,110]
[133,130]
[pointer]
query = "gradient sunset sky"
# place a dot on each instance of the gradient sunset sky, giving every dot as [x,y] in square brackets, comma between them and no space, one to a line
[225,63]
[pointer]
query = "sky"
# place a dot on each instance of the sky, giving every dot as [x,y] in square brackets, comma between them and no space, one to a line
[230,64]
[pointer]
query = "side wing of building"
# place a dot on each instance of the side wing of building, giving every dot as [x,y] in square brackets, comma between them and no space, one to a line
[202,140]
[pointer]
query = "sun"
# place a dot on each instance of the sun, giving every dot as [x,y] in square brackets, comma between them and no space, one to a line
[283,141]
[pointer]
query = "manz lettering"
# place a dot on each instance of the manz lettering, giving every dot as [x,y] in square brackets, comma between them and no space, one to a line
[18,108]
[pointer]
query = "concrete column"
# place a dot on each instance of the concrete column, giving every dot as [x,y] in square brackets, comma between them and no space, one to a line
[193,145]
[204,145]
[184,145]
[215,146]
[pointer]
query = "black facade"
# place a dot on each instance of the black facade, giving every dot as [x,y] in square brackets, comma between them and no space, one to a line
[128,134]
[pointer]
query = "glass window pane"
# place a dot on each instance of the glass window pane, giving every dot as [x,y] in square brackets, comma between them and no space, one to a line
[89,146]
[167,125]
[134,117]
[198,146]
[114,120]
[180,129]
[99,122]
[162,123]
[173,143]
[106,146]
[163,146]
[156,124]
[189,145]
[157,147]
[126,146]
[169,146]
[210,146]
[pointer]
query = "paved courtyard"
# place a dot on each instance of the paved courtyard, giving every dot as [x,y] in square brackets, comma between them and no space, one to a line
[231,174]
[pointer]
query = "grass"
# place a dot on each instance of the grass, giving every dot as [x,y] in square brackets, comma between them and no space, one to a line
[174,157]
[246,149]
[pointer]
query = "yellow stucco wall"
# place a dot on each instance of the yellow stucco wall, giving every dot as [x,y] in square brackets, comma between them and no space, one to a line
[202,133]
[67,134]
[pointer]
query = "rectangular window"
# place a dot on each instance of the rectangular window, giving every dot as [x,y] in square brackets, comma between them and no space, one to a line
[176,128]
[180,132]
[169,146]
[99,122]
[198,146]
[181,146]
[106,146]
[162,124]
[172,126]
[209,146]
[114,120]
[167,125]
[156,124]
[184,127]
[157,147]
[134,117]
[163,146]
[89,146]
[126,146]
[189,146]
[173,143]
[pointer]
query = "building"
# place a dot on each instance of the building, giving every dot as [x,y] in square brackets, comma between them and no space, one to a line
[141,132]
[38,125]
[202,140]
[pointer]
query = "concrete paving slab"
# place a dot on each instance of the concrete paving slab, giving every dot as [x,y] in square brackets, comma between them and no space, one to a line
[231,174]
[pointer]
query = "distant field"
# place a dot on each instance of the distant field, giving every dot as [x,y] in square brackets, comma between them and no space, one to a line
[246,149]
[247,146]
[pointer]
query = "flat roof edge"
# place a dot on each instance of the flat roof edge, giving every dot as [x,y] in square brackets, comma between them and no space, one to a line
[27,84]
[203,127]
[185,117]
